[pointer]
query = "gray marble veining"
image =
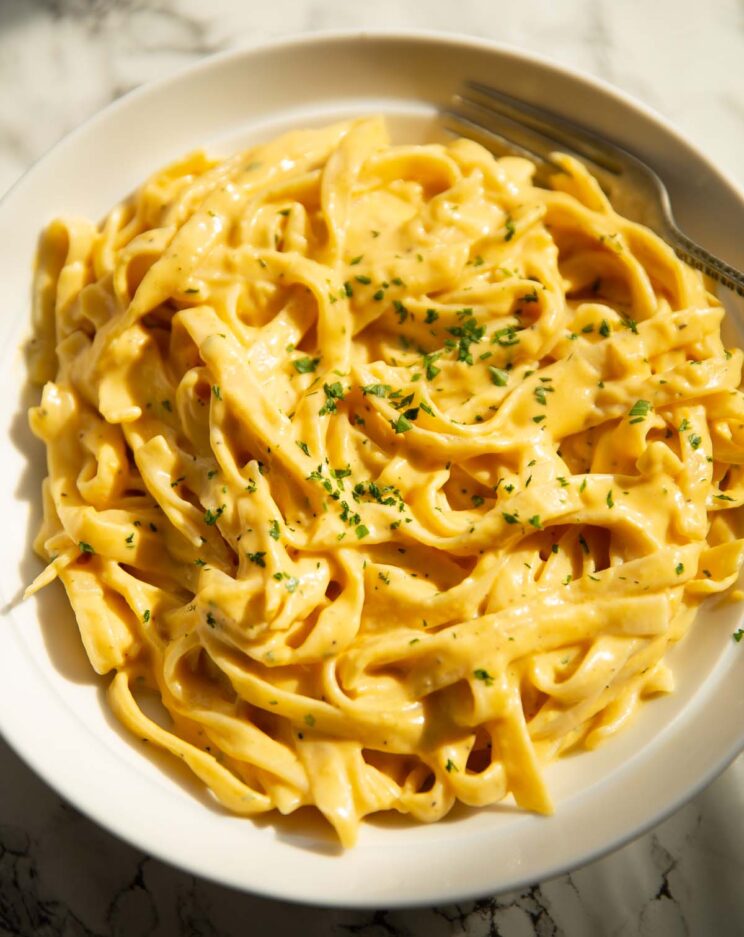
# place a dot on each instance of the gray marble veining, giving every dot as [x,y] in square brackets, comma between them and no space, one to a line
[62,60]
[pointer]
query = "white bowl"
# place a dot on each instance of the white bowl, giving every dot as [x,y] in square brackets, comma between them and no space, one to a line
[52,709]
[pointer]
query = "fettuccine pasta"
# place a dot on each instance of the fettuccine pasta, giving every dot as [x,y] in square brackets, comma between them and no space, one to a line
[391,475]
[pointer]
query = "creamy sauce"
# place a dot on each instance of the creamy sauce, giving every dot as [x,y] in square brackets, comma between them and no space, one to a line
[391,474]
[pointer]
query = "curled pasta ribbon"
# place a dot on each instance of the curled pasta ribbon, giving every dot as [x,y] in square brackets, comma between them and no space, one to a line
[389,474]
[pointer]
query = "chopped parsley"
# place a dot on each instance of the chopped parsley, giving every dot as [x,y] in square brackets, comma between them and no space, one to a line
[609,499]
[340,474]
[604,328]
[400,311]
[211,517]
[498,376]
[274,530]
[467,333]
[431,369]
[510,518]
[630,324]
[484,675]
[510,229]
[535,521]
[333,392]
[376,390]
[450,766]
[146,616]
[217,391]
[402,424]
[505,337]
[540,393]
[679,569]
[356,260]
[639,411]
[258,558]
[306,365]
[431,316]
[738,635]
[361,531]
[302,445]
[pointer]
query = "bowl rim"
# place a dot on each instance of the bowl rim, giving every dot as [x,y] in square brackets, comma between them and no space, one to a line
[445,37]
[19,741]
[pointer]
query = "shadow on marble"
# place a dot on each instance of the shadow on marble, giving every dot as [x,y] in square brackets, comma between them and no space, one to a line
[64,875]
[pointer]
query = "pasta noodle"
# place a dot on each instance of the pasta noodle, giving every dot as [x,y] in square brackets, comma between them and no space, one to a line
[390,474]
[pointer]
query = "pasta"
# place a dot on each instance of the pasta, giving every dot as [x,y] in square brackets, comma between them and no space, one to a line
[390,474]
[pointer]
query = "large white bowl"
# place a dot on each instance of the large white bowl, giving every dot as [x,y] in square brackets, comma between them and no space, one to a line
[52,709]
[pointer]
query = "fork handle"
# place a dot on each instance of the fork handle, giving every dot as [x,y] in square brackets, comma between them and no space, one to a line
[699,258]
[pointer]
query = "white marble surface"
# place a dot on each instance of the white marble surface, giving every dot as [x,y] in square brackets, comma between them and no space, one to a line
[61,60]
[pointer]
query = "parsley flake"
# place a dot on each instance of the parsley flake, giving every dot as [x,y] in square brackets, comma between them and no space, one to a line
[305,365]
[376,390]
[510,229]
[498,376]
[639,411]
[211,517]
[402,424]
[333,392]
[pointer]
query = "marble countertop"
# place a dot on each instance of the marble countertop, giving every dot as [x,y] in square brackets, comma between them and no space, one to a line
[60,61]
